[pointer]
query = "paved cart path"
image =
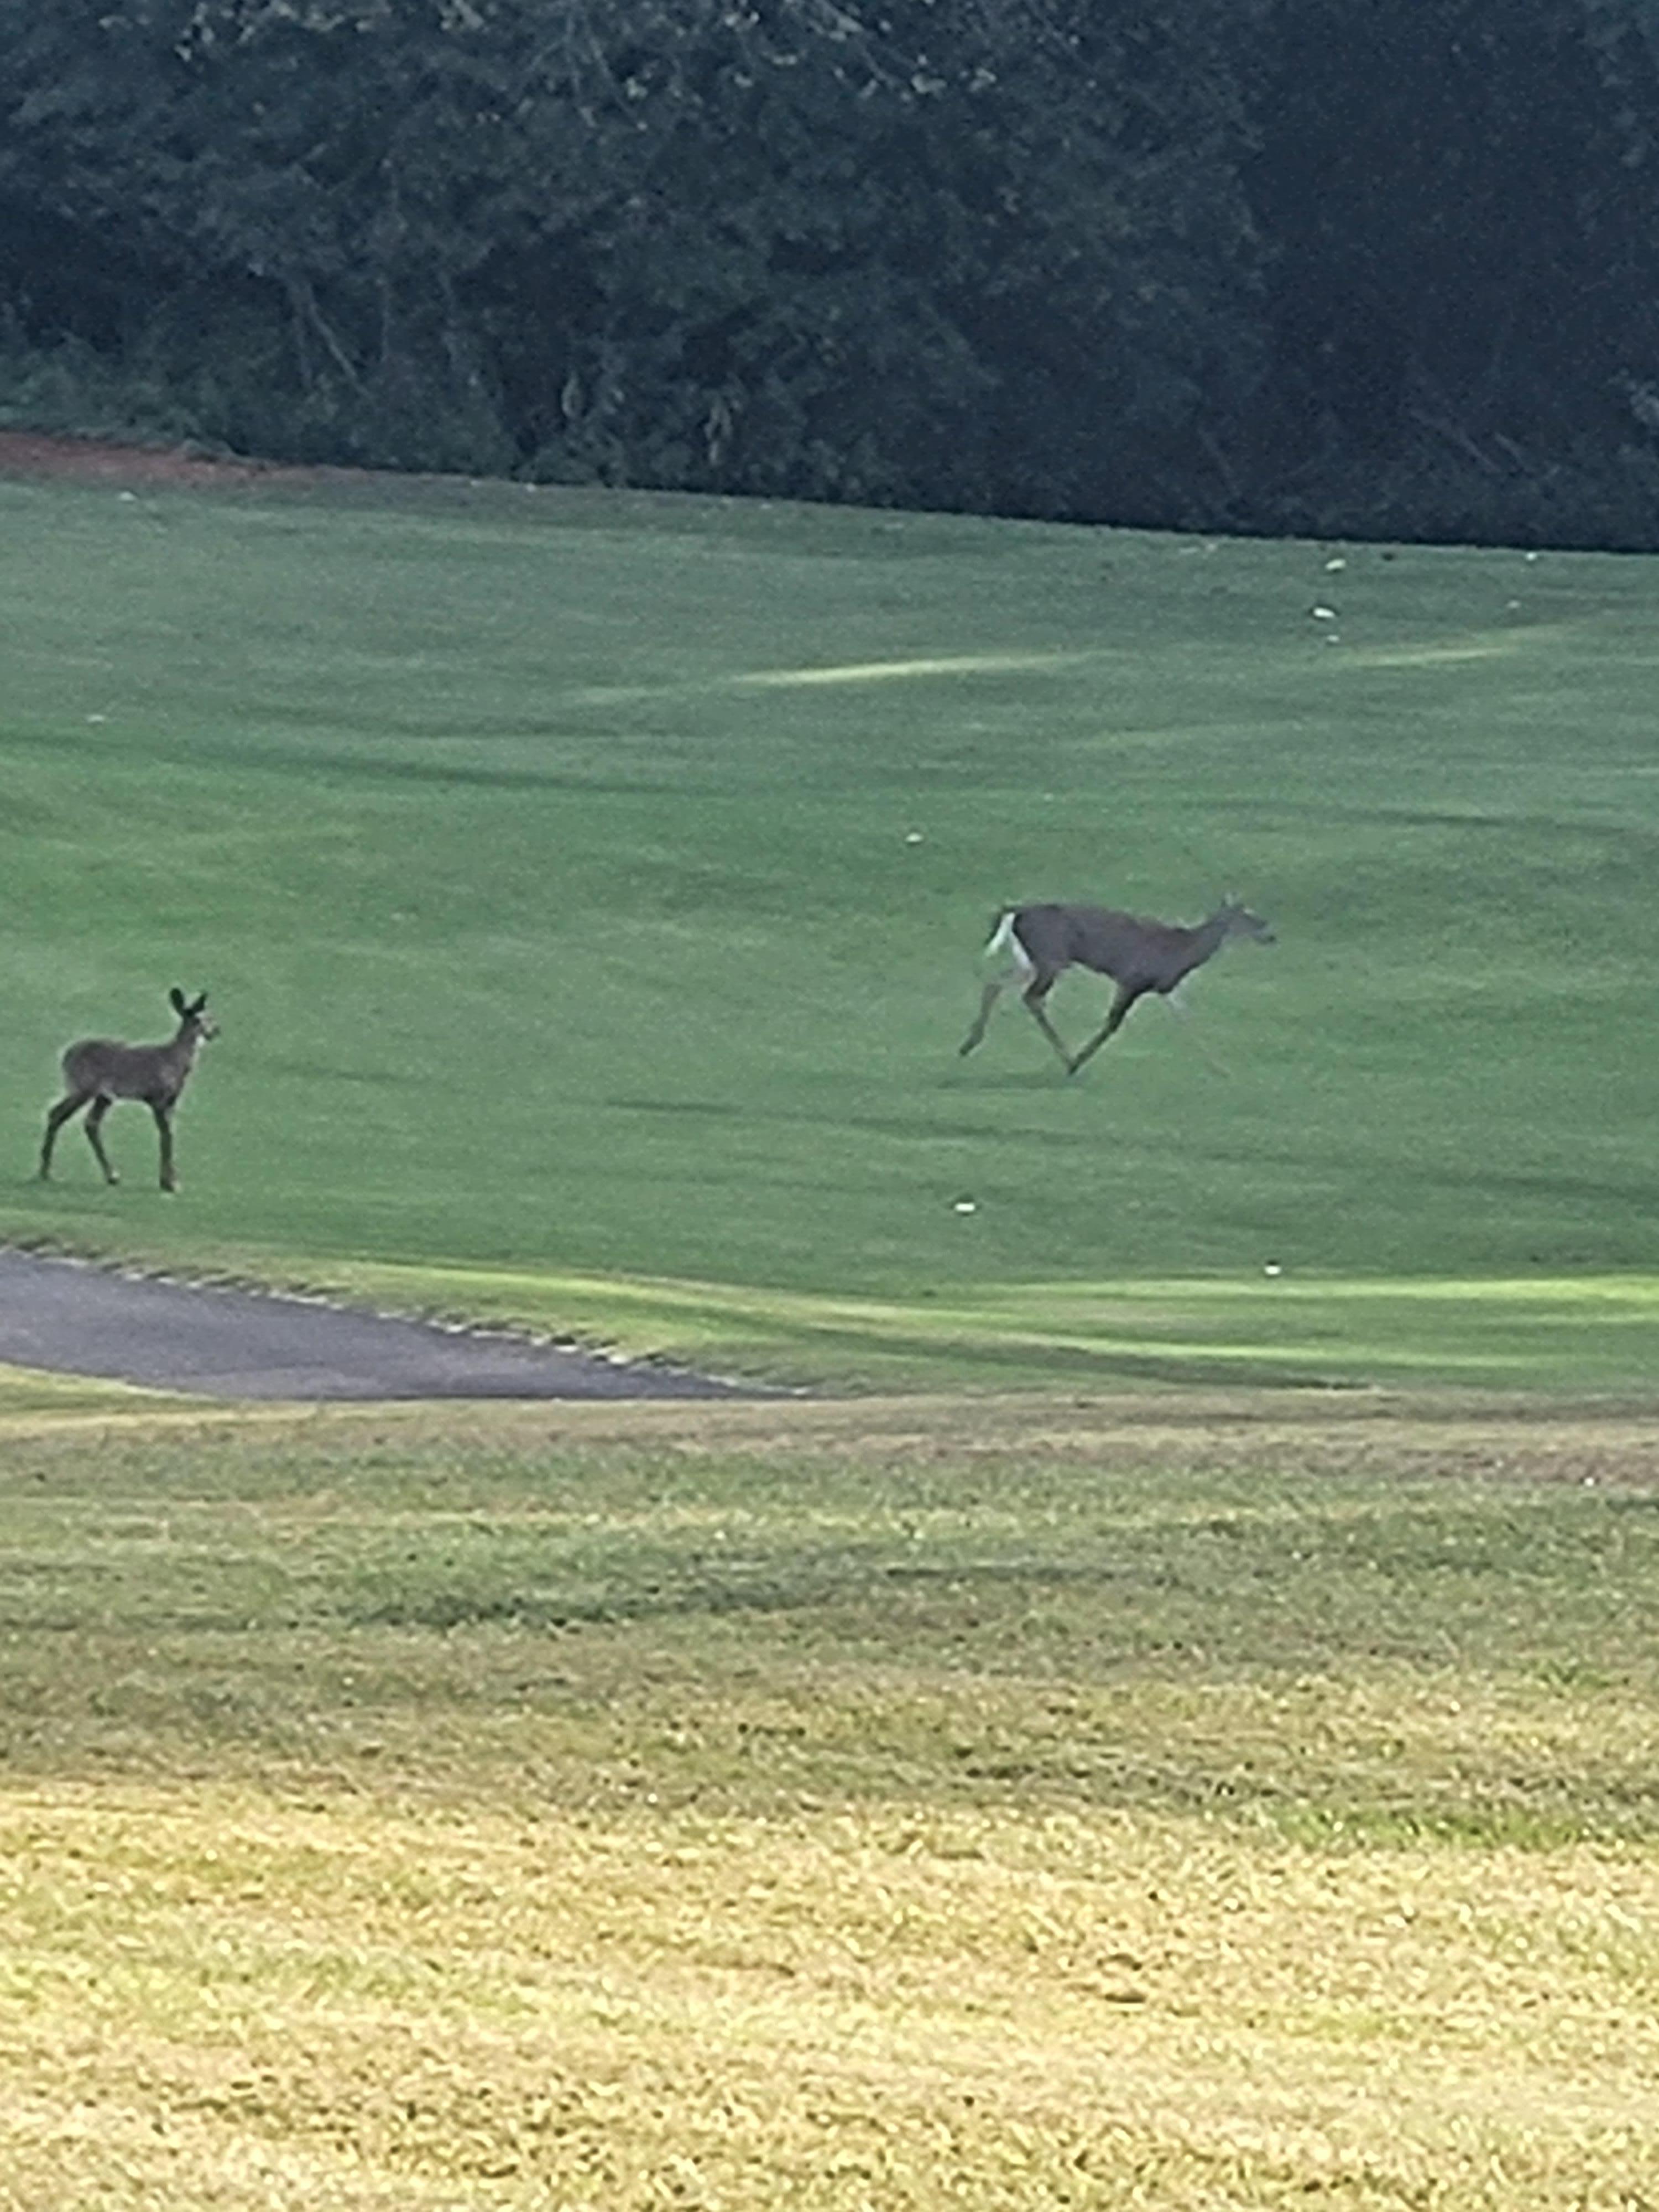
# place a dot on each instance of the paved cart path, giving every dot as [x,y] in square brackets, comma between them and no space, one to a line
[77,1319]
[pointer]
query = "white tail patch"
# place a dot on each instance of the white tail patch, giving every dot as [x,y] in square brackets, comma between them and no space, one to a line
[1004,957]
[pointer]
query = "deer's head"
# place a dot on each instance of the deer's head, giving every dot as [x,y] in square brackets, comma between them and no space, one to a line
[1237,920]
[195,1023]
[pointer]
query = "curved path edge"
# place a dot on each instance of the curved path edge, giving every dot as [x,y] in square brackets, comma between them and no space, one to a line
[73,1317]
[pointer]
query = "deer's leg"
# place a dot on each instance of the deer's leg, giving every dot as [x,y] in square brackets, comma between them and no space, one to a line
[993,992]
[164,1131]
[95,1127]
[64,1110]
[1128,994]
[1008,964]
[1034,998]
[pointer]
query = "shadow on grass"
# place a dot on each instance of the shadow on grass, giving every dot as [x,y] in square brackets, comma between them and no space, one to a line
[320,766]
[699,1598]
[1037,1079]
[920,1129]
[1595,1190]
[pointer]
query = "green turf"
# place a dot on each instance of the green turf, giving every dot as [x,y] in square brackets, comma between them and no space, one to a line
[589,886]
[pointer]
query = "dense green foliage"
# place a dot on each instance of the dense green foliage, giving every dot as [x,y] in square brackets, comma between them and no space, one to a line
[1276,263]
[590,884]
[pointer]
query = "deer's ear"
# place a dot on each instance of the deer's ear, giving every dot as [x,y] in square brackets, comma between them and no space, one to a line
[176,1001]
[201,1000]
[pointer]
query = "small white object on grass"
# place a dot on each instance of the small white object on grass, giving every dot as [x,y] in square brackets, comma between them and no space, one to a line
[1273,1267]
[1323,614]
[964,1206]
[913,836]
[1332,566]
[126,494]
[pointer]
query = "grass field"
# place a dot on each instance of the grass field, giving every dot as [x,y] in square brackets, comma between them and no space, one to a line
[889,1804]
[589,885]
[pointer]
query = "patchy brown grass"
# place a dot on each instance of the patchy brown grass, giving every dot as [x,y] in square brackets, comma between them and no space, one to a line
[41,457]
[892,1806]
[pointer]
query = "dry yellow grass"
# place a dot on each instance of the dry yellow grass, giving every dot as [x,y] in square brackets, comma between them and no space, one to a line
[841,1899]
[216,1999]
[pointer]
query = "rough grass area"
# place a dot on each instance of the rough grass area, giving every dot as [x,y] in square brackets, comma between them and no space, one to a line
[590,887]
[880,1805]
[28,1397]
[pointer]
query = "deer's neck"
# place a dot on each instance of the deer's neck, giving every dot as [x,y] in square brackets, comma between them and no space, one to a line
[1201,943]
[1209,936]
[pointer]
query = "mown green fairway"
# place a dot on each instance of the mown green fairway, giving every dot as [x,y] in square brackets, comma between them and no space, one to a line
[590,885]
[890,1804]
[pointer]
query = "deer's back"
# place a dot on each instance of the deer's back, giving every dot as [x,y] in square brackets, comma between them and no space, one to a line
[119,1070]
[1120,945]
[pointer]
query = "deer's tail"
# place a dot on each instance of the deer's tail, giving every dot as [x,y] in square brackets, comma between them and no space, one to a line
[1004,955]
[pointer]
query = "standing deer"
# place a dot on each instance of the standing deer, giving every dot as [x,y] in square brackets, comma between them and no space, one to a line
[1035,945]
[98,1071]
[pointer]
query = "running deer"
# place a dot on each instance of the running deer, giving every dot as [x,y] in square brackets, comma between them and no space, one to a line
[1034,945]
[98,1071]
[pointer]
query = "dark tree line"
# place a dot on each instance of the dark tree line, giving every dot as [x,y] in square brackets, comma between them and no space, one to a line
[1340,265]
